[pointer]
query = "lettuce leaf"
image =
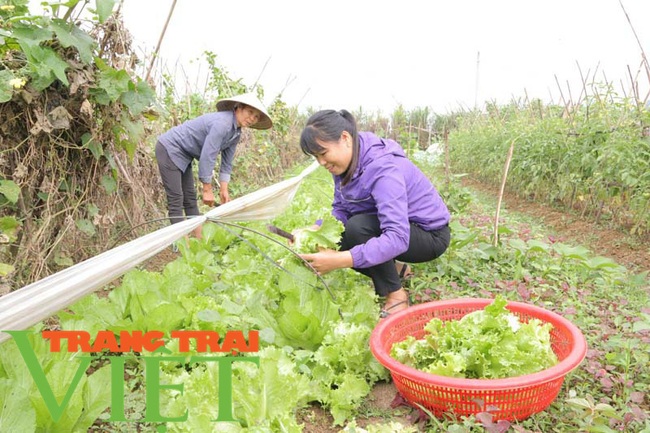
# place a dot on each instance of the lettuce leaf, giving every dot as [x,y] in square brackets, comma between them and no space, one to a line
[327,237]
[486,344]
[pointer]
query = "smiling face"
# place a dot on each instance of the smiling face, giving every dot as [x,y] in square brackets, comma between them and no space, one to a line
[336,155]
[247,116]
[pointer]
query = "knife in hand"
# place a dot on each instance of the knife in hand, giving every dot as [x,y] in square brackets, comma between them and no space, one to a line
[280,232]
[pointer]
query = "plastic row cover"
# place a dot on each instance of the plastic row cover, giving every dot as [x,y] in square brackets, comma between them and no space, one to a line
[35,302]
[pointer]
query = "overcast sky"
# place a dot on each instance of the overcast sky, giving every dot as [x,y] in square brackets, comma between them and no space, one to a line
[377,54]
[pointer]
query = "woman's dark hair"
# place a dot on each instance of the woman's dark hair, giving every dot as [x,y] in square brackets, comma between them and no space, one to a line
[327,126]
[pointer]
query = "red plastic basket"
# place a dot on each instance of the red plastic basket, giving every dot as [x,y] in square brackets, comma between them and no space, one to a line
[509,399]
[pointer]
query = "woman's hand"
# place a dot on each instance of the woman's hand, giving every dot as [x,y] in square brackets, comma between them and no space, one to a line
[224,195]
[328,260]
[207,194]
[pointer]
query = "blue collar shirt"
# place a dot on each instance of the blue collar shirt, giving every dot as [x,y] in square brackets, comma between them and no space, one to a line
[204,138]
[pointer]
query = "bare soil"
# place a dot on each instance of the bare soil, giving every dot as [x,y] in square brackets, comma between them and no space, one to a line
[377,410]
[603,240]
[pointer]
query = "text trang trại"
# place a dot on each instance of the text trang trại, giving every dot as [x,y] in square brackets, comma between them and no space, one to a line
[233,343]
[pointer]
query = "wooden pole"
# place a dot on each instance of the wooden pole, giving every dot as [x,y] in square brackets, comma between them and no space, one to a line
[260,75]
[495,238]
[447,158]
[160,39]
[643,56]
[478,61]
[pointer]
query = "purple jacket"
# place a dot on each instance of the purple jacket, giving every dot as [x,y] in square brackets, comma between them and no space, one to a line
[386,183]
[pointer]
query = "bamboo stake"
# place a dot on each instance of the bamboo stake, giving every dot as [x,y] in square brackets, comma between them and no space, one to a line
[160,39]
[583,78]
[550,96]
[478,61]
[495,237]
[569,115]
[261,72]
[447,159]
[634,84]
[287,83]
[572,104]
[643,56]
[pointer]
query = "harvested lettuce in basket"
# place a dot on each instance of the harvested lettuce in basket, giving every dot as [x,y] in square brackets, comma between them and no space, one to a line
[485,344]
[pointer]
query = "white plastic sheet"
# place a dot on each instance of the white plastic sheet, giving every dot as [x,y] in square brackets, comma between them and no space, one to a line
[35,302]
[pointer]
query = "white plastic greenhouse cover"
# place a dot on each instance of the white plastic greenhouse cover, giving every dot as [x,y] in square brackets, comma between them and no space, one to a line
[36,302]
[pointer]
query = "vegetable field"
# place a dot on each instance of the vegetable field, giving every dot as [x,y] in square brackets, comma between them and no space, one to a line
[291,349]
[313,334]
[593,159]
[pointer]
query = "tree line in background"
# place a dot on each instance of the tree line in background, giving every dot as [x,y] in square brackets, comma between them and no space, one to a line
[79,124]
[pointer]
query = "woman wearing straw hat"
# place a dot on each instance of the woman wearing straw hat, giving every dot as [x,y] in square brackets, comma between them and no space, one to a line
[204,138]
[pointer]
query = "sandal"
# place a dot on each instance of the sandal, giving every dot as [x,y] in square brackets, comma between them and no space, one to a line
[405,271]
[385,313]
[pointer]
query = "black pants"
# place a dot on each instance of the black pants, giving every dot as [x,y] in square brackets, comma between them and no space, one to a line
[179,186]
[423,247]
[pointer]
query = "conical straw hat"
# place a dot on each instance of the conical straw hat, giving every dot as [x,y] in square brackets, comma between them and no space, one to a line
[227,104]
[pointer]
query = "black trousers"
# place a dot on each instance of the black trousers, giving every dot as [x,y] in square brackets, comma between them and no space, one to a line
[179,187]
[424,246]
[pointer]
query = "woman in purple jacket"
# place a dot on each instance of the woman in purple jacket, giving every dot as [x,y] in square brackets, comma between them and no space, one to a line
[389,208]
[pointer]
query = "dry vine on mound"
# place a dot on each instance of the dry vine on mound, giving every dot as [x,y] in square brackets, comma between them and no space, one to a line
[72,169]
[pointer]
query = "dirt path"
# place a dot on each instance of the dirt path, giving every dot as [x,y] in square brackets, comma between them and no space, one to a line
[633,253]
